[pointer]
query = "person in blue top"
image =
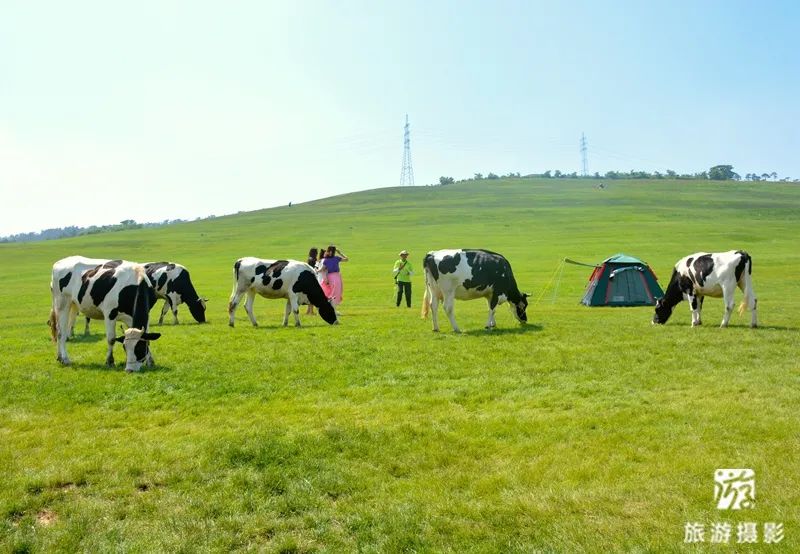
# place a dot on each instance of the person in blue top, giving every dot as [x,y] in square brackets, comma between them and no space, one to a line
[403,270]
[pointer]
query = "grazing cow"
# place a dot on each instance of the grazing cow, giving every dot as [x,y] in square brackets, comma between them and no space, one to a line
[295,281]
[172,283]
[113,291]
[703,274]
[469,274]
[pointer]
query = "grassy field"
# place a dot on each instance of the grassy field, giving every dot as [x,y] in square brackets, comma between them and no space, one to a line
[587,430]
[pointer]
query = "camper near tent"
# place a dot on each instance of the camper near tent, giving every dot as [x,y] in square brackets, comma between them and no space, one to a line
[621,280]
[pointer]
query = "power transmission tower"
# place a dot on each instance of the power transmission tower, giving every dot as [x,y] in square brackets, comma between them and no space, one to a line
[407,173]
[584,160]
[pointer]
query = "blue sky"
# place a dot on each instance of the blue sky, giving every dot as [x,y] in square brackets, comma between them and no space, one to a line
[164,110]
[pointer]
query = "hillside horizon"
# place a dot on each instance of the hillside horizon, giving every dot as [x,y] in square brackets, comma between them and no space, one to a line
[76,230]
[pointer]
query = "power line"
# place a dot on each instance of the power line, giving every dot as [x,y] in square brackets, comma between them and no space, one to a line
[407,173]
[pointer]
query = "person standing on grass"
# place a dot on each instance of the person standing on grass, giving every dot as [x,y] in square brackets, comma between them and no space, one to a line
[335,287]
[312,261]
[403,270]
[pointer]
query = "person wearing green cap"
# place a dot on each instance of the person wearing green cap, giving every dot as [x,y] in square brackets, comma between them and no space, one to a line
[403,270]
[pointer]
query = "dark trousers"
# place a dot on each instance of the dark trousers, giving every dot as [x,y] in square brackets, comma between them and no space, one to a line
[401,286]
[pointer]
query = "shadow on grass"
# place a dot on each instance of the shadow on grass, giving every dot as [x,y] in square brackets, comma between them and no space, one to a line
[733,326]
[86,339]
[499,331]
[304,324]
[772,328]
[118,367]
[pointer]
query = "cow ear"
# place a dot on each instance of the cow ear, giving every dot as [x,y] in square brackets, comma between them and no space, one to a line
[120,339]
[525,295]
[151,336]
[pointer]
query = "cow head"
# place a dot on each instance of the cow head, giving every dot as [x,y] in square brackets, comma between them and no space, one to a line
[198,309]
[137,350]
[520,308]
[663,311]
[327,312]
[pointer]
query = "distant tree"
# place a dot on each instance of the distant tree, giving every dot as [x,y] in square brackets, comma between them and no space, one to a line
[596,175]
[671,174]
[765,176]
[492,176]
[547,174]
[774,175]
[446,180]
[478,176]
[557,173]
[722,173]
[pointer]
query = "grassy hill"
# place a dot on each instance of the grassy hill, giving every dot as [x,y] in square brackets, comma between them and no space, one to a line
[586,430]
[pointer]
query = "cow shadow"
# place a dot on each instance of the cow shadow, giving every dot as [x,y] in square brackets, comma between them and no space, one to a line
[87,339]
[500,331]
[772,328]
[118,367]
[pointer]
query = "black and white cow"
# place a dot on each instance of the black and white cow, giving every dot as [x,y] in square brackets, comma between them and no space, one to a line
[466,275]
[173,284]
[113,291]
[709,274]
[295,281]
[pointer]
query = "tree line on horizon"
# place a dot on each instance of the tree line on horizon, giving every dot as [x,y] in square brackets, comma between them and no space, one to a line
[75,231]
[716,173]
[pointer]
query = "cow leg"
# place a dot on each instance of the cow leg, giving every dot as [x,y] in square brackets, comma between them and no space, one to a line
[149,361]
[173,302]
[164,309]
[73,317]
[700,309]
[449,309]
[110,335]
[727,296]
[286,312]
[491,323]
[248,306]
[233,303]
[694,304]
[64,315]
[434,298]
[295,306]
[86,328]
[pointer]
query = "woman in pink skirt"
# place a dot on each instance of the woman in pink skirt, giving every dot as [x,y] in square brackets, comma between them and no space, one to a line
[333,287]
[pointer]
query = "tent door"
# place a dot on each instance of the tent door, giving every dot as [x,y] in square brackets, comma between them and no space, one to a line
[627,287]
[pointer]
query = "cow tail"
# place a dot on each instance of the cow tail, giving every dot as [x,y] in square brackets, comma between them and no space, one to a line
[235,286]
[426,302]
[52,322]
[749,301]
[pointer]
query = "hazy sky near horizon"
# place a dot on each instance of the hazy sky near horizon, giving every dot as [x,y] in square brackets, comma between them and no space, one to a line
[159,110]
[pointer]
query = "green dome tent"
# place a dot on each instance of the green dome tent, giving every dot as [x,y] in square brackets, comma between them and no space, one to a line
[621,280]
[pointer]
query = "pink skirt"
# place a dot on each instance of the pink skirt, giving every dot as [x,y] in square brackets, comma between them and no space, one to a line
[333,290]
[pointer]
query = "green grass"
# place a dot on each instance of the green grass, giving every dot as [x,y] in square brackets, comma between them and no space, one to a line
[586,430]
